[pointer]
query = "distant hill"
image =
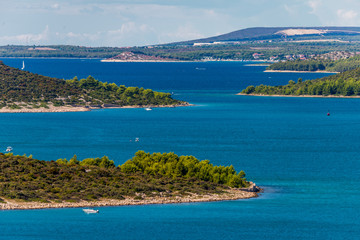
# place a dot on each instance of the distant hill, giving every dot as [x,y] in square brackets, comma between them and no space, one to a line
[21,89]
[269,33]
[260,43]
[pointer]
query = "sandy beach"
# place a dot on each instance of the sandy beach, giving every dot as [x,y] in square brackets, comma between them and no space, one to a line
[231,194]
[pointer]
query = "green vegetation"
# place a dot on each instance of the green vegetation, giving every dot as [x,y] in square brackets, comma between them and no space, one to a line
[300,65]
[318,65]
[342,84]
[147,174]
[173,166]
[24,89]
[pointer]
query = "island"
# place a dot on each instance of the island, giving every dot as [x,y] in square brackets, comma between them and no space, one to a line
[346,84]
[158,178]
[22,91]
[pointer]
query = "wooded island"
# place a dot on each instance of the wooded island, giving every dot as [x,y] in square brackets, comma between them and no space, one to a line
[25,91]
[346,84]
[146,178]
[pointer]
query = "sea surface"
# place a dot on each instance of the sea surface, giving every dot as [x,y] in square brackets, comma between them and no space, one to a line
[307,162]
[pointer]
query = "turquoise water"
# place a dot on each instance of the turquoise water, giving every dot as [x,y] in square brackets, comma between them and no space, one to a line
[307,162]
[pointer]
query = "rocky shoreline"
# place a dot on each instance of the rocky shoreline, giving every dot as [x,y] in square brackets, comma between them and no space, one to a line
[82,109]
[230,194]
[293,71]
[305,96]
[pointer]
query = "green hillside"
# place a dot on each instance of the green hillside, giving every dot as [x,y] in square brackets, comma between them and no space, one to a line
[158,174]
[341,65]
[22,89]
[342,84]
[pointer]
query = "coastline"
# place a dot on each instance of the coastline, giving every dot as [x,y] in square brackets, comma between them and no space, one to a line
[189,61]
[230,194]
[292,71]
[81,109]
[304,96]
[116,60]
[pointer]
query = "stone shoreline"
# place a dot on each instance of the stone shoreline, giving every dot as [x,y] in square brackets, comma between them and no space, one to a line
[304,96]
[80,109]
[231,194]
[293,71]
[142,61]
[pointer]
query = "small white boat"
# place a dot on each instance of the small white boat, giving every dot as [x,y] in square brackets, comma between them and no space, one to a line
[148,109]
[9,149]
[90,210]
[137,139]
[23,66]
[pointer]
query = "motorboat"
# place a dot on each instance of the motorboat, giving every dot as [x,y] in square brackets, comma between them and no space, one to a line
[90,210]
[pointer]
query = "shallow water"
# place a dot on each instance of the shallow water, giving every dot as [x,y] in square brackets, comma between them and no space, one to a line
[306,161]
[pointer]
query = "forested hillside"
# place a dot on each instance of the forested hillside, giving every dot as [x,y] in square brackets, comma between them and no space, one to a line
[22,89]
[155,174]
[342,84]
[341,65]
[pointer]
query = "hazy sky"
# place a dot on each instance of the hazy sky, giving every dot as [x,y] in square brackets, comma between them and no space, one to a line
[144,22]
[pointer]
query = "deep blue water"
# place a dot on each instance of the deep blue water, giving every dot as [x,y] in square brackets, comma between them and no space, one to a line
[308,163]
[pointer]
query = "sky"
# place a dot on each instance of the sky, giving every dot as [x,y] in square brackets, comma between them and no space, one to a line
[122,23]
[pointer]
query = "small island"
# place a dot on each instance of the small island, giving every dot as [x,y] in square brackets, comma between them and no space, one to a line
[158,178]
[346,84]
[22,91]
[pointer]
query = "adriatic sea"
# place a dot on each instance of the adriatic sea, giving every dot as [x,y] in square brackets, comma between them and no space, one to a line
[308,163]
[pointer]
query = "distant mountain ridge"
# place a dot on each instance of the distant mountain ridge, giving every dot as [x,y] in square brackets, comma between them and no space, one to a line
[268,33]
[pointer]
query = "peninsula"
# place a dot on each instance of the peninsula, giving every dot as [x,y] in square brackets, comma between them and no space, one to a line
[22,91]
[27,183]
[346,84]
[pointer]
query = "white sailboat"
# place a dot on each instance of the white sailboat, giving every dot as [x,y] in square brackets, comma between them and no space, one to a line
[23,66]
